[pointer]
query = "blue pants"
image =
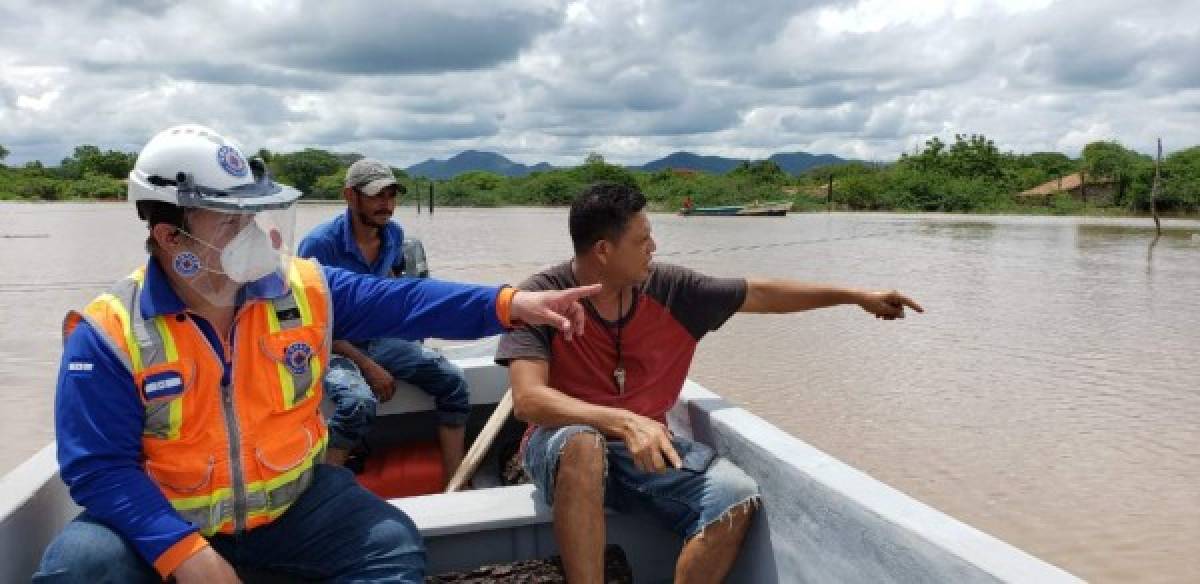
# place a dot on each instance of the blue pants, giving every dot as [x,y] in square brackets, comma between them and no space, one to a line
[355,404]
[336,531]
[686,499]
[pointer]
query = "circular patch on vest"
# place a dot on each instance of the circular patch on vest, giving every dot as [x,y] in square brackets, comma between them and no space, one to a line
[296,357]
[186,264]
[231,161]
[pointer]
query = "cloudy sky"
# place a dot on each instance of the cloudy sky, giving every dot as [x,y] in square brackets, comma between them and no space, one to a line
[634,80]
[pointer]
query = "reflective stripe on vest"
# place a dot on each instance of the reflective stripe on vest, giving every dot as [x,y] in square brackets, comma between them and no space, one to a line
[148,347]
[288,312]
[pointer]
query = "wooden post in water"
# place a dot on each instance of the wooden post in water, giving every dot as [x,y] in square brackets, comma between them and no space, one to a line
[1120,186]
[431,196]
[1083,185]
[1154,191]
[417,192]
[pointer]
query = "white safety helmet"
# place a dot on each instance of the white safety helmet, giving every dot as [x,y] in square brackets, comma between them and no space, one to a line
[194,166]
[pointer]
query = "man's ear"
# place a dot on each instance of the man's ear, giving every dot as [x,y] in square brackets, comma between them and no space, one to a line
[603,250]
[348,194]
[166,235]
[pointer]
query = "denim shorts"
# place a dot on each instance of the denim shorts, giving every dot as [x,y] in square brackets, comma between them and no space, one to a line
[686,499]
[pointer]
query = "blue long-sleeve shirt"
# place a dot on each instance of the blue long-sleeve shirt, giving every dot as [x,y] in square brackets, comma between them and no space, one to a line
[332,243]
[99,417]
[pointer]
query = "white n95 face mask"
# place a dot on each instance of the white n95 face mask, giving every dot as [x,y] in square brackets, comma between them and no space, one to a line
[249,263]
[250,255]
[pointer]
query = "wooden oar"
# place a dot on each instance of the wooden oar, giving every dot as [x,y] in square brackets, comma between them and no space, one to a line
[482,443]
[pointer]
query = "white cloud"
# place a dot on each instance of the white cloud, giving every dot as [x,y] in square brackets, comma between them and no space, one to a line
[633,79]
[876,15]
[40,103]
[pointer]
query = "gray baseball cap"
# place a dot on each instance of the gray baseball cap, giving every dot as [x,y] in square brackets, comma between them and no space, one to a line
[371,176]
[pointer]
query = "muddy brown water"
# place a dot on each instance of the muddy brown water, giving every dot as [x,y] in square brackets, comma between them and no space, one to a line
[1050,396]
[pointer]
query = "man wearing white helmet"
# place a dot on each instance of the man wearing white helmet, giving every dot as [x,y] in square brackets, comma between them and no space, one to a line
[187,403]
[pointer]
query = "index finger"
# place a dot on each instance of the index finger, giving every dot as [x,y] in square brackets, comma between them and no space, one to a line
[909,302]
[669,450]
[573,294]
[578,317]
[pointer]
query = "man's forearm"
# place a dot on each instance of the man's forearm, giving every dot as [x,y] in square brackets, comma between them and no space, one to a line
[781,296]
[351,352]
[545,406]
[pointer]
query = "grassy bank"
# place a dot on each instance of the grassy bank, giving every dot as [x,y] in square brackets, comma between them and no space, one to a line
[968,175]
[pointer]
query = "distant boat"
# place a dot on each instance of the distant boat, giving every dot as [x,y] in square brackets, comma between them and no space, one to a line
[728,211]
[755,210]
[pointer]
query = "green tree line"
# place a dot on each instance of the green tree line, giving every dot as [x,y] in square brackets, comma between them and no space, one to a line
[969,174]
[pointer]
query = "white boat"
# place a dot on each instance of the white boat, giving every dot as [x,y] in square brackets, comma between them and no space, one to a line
[821,520]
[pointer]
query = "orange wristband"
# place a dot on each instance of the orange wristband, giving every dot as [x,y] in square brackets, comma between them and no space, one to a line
[176,554]
[504,306]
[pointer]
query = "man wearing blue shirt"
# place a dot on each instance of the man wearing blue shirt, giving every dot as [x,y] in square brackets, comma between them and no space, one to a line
[362,374]
[186,407]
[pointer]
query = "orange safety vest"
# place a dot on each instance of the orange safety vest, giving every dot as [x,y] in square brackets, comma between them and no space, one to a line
[228,458]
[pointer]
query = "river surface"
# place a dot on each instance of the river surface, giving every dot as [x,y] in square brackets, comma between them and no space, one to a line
[1050,395]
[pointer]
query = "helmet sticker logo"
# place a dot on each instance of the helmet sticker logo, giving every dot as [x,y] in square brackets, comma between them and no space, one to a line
[186,264]
[231,161]
[296,357]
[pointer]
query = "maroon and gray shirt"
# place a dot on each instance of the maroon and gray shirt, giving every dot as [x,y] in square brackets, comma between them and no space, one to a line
[672,310]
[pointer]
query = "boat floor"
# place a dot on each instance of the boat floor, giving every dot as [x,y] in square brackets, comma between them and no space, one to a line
[494,523]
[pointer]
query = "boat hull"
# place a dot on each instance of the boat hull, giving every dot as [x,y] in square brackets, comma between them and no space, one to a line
[762,210]
[820,521]
[730,211]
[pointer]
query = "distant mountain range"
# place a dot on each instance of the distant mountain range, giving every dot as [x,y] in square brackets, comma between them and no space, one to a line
[790,162]
[470,160]
[467,161]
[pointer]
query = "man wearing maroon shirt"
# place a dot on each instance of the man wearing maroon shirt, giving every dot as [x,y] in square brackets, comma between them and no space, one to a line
[597,405]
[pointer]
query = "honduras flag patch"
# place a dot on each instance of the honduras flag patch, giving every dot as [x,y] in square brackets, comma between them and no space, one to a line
[162,384]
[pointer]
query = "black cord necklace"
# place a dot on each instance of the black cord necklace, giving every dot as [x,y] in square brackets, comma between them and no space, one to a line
[619,371]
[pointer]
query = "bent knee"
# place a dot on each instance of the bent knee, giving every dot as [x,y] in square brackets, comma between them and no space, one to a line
[583,459]
[455,397]
[396,535]
[744,490]
[89,551]
[733,484]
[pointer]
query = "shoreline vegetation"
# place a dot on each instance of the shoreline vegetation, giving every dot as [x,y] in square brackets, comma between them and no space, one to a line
[969,175]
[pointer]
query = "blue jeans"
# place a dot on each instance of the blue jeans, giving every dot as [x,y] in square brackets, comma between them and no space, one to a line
[337,531]
[355,404]
[686,499]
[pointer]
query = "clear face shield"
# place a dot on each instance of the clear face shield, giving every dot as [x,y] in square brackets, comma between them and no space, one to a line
[237,244]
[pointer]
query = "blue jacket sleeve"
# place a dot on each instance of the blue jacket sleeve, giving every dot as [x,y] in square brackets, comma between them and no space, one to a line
[366,307]
[316,248]
[98,421]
